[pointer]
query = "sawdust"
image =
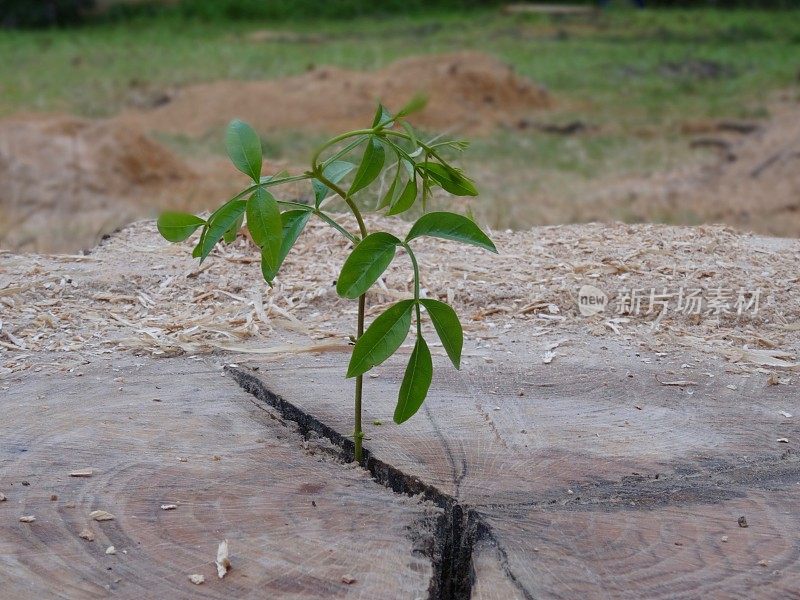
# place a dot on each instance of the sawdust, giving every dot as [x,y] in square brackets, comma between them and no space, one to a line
[137,293]
[468,92]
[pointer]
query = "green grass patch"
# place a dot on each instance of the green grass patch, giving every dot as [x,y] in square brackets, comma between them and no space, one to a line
[622,64]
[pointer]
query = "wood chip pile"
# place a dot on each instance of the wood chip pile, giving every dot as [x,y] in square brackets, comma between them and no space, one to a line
[137,293]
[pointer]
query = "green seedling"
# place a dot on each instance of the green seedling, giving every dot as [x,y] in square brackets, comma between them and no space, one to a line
[412,168]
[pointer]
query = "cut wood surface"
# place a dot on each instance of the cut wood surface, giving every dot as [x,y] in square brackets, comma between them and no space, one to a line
[675,547]
[593,478]
[177,432]
[517,430]
[571,457]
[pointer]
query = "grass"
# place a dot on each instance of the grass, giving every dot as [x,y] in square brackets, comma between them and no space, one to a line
[636,75]
[621,63]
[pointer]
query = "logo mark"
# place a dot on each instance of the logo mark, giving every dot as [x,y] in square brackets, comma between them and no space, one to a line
[591,301]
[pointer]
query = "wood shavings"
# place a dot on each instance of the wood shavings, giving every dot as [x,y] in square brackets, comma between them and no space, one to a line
[169,506]
[678,382]
[197,579]
[82,473]
[111,551]
[120,300]
[554,345]
[785,414]
[223,562]
[782,440]
[27,519]
[101,515]
[15,340]
[775,379]
[770,357]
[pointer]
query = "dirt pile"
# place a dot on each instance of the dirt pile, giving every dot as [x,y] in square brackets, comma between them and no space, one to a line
[68,181]
[75,177]
[756,185]
[468,92]
[753,184]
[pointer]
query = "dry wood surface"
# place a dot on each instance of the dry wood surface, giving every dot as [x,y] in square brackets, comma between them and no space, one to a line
[594,457]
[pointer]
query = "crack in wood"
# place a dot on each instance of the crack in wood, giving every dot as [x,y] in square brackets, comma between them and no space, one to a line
[458,478]
[684,485]
[460,528]
[485,533]
[457,529]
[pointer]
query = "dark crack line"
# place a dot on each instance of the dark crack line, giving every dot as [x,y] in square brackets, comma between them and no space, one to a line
[485,533]
[460,527]
[456,477]
[634,492]
[457,527]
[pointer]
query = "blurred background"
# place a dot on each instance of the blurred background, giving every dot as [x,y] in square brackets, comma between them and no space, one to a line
[677,112]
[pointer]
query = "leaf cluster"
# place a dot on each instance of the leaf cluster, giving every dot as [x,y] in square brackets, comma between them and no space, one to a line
[390,147]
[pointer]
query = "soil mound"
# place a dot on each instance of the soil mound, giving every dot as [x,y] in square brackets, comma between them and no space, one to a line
[753,184]
[467,92]
[75,177]
[756,185]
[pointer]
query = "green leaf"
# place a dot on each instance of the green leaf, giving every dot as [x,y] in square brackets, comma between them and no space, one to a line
[176,227]
[370,167]
[450,226]
[293,223]
[218,223]
[450,179]
[366,263]
[244,148]
[279,175]
[198,249]
[447,325]
[413,135]
[268,264]
[458,145]
[264,222]
[230,235]
[381,339]
[388,197]
[334,172]
[416,382]
[416,103]
[405,200]
[382,117]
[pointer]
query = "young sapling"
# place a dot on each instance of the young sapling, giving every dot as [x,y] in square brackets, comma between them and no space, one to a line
[345,166]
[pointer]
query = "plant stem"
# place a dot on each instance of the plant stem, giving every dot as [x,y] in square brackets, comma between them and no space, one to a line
[348,200]
[333,141]
[344,151]
[321,215]
[358,434]
[269,183]
[415,266]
